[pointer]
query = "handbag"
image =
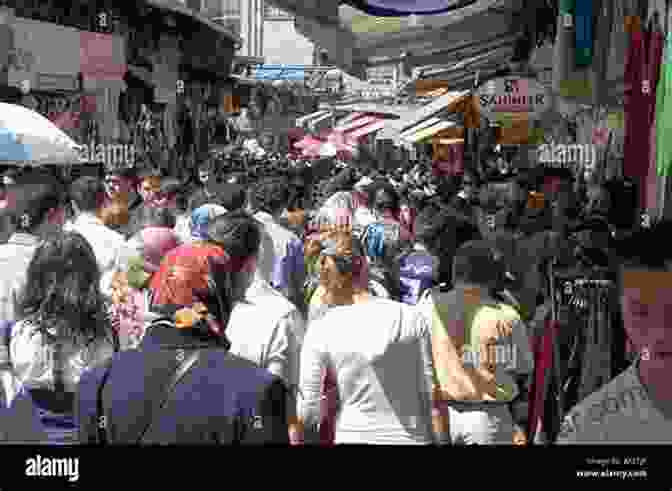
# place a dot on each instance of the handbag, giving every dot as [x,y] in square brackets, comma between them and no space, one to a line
[182,369]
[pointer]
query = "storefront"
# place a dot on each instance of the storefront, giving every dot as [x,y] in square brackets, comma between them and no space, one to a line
[72,77]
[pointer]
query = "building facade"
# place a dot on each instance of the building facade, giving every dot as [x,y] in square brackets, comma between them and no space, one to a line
[267,31]
[118,75]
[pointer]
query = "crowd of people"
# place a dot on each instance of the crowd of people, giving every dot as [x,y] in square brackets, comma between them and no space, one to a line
[276,301]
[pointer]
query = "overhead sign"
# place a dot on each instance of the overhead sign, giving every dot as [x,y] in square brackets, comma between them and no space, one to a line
[280,72]
[513,95]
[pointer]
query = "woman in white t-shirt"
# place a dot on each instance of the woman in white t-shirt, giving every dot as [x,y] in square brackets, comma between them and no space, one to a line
[379,356]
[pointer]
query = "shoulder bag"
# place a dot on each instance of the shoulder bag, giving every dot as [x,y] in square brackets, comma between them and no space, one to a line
[182,369]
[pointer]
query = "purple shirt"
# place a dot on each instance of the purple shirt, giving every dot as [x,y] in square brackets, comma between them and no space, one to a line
[416,273]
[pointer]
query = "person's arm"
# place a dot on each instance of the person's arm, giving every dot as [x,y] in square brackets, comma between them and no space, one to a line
[439,415]
[282,360]
[295,273]
[454,382]
[312,364]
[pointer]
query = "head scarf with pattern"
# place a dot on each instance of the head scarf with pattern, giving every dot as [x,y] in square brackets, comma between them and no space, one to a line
[184,275]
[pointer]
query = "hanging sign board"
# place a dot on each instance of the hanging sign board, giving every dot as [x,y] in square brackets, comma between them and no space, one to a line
[513,95]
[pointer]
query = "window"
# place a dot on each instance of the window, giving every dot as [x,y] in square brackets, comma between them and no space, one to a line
[228,8]
[273,12]
[215,9]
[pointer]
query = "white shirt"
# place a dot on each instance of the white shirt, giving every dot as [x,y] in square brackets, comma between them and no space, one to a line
[275,245]
[15,257]
[33,364]
[620,413]
[381,356]
[267,329]
[362,218]
[105,242]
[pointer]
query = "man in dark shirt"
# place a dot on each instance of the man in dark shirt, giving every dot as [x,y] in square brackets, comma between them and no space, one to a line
[208,183]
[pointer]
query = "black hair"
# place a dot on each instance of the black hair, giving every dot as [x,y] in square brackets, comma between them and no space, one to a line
[62,289]
[433,230]
[34,200]
[240,236]
[195,202]
[271,194]
[238,232]
[231,196]
[154,216]
[476,262]
[182,201]
[390,198]
[87,193]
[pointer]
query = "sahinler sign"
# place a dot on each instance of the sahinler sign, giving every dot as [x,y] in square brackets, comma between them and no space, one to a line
[513,94]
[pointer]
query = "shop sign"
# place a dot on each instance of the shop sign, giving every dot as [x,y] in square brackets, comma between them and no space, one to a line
[513,95]
[42,47]
[54,82]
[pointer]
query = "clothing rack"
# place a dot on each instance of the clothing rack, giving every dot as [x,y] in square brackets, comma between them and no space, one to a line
[582,317]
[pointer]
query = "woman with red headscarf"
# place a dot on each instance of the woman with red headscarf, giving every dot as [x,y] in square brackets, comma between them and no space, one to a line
[186,350]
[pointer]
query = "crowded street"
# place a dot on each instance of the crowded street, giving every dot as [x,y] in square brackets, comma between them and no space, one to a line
[355,227]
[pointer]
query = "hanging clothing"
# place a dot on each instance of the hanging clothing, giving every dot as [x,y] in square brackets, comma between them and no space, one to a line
[596,359]
[636,108]
[619,42]
[651,198]
[654,45]
[663,120]
[601,49]
[563,48]
[543,359]
[583,19]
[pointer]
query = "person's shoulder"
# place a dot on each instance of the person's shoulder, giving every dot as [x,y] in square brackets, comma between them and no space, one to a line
[238,368]
[507,313]
[22,328]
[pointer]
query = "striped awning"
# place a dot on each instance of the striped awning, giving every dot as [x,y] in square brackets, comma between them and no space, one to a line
[357,123]
[425,124]
[300,122]
[377,125]
[429,132]
[316,123]
[349,118]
